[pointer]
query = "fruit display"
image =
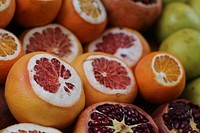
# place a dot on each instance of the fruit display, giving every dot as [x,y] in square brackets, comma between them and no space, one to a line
[99,66]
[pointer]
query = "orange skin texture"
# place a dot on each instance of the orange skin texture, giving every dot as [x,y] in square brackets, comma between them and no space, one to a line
[32,13]
[5,66]
[26,106]
[92,95]
[145,44]
[149,88]
[84,30]
[82,122]
[7,14]
[127,13]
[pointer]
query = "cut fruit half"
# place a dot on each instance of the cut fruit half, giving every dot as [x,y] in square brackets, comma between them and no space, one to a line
[124,43]
[10,51]
[7,11]
[105,78]
[52,38]
[29,128]
[114,117]
[162,74]
[87,19]
[48,90]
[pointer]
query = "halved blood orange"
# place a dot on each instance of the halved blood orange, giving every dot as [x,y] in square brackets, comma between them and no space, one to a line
[29,128]
[7,11]
[43,89]
[87,19]
[160,77]
[124,43]
[105,78]
[52,38]
[10,51]
[33,13]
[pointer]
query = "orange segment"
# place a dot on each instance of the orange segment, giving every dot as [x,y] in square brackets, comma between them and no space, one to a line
[7,45]
[10,52]
[160,77]
[166,69]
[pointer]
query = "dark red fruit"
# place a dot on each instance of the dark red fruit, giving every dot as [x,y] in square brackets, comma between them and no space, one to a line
[110,117]
[178,116]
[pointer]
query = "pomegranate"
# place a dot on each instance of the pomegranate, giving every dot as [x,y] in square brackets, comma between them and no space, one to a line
[136,14]
[114,117]
[178,116]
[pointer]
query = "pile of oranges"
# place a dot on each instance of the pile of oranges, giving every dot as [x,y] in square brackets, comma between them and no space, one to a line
[38,36]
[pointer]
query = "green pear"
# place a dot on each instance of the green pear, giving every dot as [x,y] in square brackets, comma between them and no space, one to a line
[192,91]
[176,16]
[195,4]
[185,45]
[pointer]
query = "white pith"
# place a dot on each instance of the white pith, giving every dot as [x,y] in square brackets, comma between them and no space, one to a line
[133,53]
[61,97]
[5,5]
[16,52]
[74,48]
[97,3]
[88,70]
[159,76]
[29,127]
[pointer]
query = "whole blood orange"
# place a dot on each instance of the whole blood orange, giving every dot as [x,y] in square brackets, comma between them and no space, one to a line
[32,13]
[125,43]
[160,77]
[43,89]
[7,11]
[10,51]
[87,19]
[52,38]
[105,78]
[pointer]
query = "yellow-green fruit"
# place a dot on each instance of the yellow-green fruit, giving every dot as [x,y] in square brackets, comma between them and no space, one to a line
[195,4]
[176,16]
[169,1]
[192,91]
[185,45]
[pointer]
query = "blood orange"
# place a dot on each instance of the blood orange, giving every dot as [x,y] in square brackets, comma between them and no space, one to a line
[7,11]
[43,89]
[124,43]
[160,77]
[32,13]
[87,19]
[10,51]
[105,78]
[52,38]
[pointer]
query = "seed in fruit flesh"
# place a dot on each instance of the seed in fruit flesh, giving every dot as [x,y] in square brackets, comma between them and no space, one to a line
[110,117]
[180,115]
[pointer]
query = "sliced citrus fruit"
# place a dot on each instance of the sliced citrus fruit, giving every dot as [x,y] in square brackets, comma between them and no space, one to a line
[160,77]
[47,90]
[29,128]
[10,51]
[87,19]
[7,11]
[32,13]
[105,78]
[124,43]
[52,38]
